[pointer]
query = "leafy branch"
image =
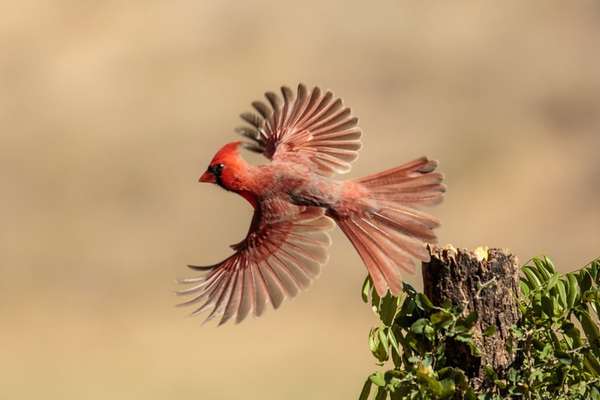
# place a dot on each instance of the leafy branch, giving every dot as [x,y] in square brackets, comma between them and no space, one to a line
[553,358]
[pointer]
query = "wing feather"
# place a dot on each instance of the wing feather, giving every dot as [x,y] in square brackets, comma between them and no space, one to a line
[281,255]
[246,296]
[260,290]
[308,126]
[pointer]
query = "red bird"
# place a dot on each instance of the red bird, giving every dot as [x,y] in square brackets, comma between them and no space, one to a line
[309,136]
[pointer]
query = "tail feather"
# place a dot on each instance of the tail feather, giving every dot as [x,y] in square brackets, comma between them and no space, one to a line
[408,243]
[408,224]
[376,259]
[389,232]
[413,169]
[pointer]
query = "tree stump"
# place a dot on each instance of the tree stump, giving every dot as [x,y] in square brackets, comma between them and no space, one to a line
[484,281]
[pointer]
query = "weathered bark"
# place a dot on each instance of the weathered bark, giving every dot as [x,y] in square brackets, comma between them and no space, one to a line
[485,281]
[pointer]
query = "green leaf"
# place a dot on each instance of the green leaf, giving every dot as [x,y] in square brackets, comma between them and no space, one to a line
[377,378]
[532,279]
[572,333]
[474,349]
[501,383]
[381,394]
[471,319]
[573,292]
[585,281]
[562,293]
[408,307]
[556,308]
[381,353]
[448,388]
[427,360]
[490,330]
[595,393]
[470,394]
[524,287]
[387,309]
[413,359]
[412,342]
[367,287]
[549,265]
[465,324]
[377,347]
[383,338]
[366,390]
[591,363]
[591,330]
[552,281]
[490,373]
[373,340]
[547,306]
[540,270]
[408,289]
[441,319]
[419,325]
[563,357]
[400,300]
[464,338]
[546,351]
[397,359]
[433,384]
[393,341]
[375,300]
[423,302]
[429,332]
[517,332]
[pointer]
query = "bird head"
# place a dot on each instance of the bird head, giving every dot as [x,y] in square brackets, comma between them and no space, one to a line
[226,167]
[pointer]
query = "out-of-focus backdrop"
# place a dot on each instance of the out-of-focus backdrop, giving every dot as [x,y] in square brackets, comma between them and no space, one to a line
[109,111]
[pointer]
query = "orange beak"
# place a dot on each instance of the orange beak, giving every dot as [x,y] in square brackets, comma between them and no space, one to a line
[207,177]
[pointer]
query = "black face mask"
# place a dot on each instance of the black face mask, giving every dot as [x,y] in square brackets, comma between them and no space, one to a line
[216,170]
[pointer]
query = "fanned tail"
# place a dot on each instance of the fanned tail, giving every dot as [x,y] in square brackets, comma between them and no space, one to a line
[387,229]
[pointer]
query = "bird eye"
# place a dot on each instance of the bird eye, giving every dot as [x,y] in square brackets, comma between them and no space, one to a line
[216,169]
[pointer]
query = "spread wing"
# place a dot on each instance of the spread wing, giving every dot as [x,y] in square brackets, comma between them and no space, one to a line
[309,127]
[282,253]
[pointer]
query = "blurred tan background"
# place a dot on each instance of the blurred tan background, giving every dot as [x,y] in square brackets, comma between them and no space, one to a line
[109,111]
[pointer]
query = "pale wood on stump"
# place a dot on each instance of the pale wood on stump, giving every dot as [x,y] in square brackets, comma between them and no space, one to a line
[484,281]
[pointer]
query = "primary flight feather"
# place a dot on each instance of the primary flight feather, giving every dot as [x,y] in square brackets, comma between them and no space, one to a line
[309,136]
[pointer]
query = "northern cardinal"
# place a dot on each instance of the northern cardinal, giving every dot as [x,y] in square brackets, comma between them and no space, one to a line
[309,136]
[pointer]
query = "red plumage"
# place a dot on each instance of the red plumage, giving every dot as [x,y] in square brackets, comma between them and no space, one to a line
[309,136]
